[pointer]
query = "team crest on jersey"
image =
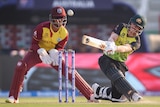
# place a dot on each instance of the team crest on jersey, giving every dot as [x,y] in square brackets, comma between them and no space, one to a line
[123,35]
[59,39]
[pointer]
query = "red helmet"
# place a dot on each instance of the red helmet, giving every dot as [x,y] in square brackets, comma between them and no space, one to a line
[58,16]
[58,12]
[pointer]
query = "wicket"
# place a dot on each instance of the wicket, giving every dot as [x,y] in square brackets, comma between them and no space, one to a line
[66,65]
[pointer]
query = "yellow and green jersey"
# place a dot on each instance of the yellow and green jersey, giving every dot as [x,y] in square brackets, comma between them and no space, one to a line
[123,39]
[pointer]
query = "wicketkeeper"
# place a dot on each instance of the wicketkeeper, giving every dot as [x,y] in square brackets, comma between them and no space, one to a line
[124,40]
[48,38]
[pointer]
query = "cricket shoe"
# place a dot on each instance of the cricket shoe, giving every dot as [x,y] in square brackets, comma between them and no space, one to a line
[121,99]
[136,97]
[95,86]
[100,92]
[106,94]
[12,100]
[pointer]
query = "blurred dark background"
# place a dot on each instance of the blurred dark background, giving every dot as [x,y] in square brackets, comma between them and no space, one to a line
[96,18]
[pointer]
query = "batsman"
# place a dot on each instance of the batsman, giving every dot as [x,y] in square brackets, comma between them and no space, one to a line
[48,37]
[124,40]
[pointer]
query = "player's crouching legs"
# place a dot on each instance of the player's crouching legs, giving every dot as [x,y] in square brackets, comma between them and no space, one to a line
[16,85]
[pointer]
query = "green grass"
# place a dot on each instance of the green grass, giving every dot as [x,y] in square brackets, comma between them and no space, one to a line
[80,102]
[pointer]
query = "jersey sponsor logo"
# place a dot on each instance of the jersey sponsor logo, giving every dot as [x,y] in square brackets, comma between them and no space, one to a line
[49,42]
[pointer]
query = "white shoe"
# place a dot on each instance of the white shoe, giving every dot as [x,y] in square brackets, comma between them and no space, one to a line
[94,87]
[102,95]
[121,99]
[136,97]
[12,100]
[105,94]
[92,99]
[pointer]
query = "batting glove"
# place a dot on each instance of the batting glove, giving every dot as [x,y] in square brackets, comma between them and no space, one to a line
[44,56]
[110,47]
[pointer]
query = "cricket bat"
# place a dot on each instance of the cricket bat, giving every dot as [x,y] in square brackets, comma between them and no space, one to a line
[94,42]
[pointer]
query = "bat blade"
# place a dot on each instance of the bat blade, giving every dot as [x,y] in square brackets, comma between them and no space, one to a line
[94,42]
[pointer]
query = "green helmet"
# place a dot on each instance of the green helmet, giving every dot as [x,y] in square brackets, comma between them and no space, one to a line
[138,20]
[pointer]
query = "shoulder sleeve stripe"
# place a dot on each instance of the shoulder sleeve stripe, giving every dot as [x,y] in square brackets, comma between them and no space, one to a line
[35,38]
[118,28]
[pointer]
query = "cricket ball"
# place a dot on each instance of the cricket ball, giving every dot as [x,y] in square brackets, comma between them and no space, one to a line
[70,12]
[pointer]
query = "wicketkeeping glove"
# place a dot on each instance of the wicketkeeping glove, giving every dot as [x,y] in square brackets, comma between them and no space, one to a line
[44,56]
[110,47]
[54,55]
